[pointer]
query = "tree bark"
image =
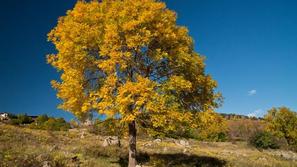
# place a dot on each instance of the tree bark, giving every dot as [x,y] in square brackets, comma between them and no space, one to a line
[132,144]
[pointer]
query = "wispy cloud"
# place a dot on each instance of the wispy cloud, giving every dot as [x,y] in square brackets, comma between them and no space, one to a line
[252,92]
[255,113]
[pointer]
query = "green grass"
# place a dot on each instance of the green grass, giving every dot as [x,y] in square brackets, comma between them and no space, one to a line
[29,148]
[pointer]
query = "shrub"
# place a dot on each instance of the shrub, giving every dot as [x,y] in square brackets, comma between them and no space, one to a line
[12,116]
[41,119]
[282,122]
[56,124]
[264,140]
[20,119]
[15,121]
[49,123]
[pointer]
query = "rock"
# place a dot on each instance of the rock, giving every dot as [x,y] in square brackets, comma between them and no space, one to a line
[147,144]
[157,140]
[138,166]
[105,143]
[183,143]
[74,130]
[46,164]
[262,159]
[83,135]
[111,140]
[289,155]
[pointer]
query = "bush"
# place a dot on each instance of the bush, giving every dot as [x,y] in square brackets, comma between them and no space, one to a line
[41,122]
[264,140]
[282,122]
[56,124]
[49,123]
[41,119]
[20,119]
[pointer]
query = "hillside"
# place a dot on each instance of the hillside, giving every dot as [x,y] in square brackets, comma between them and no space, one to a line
[28,147]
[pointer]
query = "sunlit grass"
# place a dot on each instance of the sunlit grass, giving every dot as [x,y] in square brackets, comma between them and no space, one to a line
[28,147]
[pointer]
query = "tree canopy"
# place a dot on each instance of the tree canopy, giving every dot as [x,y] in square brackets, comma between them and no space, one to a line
[283,123]
[128,59]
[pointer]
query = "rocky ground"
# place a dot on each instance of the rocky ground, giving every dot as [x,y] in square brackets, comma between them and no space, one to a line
[29,148]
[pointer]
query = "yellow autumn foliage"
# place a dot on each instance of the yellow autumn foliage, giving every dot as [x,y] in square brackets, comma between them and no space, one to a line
[130,60]
[211,126]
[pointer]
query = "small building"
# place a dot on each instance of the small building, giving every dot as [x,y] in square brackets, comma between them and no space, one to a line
[4,116]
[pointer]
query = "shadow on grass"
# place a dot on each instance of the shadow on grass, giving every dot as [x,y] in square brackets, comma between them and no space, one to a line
[179,159]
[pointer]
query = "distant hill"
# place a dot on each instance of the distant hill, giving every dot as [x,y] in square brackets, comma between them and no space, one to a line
[238,116]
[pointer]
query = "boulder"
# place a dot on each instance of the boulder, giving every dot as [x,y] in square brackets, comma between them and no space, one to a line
[111,140]
[46,164]
[83,135]
[157,140]
[183,143]
[289,155]
[147,144]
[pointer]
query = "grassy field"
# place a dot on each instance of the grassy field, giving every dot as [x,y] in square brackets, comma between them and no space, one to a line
[23,147]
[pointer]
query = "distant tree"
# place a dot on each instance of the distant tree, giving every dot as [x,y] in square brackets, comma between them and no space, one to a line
[20,119]
[283,123]
[41,119]
[56,124]
[25,119]
[211,126]
[12,116]
[129,59]
[49,123]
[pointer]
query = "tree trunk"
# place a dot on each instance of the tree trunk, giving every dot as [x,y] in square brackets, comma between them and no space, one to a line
[132,144]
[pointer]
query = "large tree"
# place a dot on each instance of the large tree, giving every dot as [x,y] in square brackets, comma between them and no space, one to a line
[128,59]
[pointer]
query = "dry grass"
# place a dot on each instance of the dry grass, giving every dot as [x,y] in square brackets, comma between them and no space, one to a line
[27,147]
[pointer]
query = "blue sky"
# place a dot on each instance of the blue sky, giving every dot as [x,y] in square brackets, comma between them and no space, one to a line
[250,46]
